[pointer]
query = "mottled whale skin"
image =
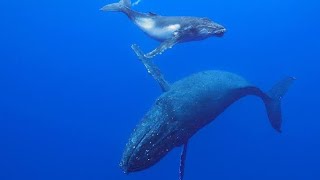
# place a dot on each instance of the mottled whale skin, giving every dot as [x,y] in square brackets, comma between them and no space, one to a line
[168,30]
[186,107]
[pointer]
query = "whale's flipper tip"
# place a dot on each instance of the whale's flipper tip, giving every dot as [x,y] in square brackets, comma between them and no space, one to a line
[138,51]
[183,157]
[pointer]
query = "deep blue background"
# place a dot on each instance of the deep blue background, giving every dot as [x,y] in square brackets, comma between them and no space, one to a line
[71,89]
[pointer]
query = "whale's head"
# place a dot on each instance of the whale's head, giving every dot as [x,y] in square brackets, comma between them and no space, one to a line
[152,139]
[209,28]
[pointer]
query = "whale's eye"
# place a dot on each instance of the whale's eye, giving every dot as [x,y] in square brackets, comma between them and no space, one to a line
[219,33]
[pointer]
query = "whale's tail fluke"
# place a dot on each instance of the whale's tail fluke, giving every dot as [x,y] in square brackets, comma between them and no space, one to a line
[273,101]
[121,6]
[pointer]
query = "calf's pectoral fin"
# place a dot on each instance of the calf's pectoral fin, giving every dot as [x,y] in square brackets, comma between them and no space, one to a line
[167,44]
[182,161]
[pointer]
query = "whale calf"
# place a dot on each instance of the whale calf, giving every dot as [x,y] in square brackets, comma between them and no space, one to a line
[187,106]
[168,30]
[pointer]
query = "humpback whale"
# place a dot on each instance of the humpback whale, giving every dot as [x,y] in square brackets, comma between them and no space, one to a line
[188,105]
[169,30]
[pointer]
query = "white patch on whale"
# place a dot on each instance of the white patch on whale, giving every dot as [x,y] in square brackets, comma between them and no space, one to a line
[148,25]
[173,27]
[145,23]
[164,33]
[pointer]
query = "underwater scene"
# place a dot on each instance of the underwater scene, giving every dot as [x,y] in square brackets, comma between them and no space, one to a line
[147,89]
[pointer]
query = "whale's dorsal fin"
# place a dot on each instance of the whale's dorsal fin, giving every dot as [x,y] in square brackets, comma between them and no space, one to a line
[183,161]
[152,14]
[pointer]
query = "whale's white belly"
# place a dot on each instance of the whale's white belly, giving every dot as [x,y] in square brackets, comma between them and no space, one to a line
[149,26]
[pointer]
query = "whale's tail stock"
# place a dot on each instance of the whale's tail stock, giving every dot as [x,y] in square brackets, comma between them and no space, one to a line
[272,101]
[120,6]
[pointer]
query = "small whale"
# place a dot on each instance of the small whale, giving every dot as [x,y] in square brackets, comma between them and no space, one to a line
[168,30]
[187,106]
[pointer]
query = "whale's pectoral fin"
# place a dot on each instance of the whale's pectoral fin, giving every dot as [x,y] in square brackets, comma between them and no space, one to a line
[152,69]
[182,161]
[139,53]
[163,46]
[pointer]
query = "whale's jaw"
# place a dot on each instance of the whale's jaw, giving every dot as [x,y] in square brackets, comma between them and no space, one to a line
[220,32]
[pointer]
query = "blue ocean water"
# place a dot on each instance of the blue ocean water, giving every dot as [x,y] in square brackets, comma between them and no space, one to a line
[72,90]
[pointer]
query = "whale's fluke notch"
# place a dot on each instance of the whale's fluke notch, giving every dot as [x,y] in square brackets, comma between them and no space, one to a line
[273,103]
[183,161]
[152,69]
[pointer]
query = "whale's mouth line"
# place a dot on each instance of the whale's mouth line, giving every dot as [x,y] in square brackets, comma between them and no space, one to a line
[134,149]
[133,169]
[220,32]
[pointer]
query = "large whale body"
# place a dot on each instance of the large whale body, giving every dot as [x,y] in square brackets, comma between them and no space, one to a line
[186,107]
[169,30]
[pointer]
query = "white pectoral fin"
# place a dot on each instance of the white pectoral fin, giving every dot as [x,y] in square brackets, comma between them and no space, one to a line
[138,51]
[152,69]
[163,46]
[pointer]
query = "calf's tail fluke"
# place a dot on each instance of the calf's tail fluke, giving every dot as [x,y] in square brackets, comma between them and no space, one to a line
[120,6]
[273,101]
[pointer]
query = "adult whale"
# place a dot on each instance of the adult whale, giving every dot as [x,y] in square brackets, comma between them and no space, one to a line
[168,30]
[188,105]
